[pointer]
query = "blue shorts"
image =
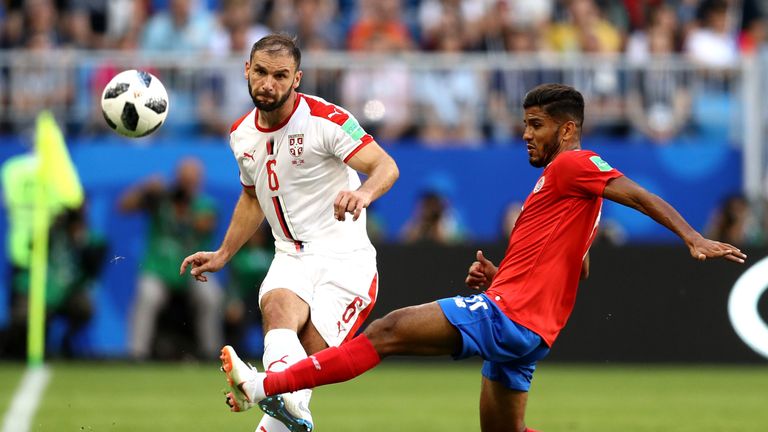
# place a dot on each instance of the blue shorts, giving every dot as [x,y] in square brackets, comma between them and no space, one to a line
[510,350]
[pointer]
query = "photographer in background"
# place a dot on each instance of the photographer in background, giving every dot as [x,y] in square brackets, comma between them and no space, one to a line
[180,219]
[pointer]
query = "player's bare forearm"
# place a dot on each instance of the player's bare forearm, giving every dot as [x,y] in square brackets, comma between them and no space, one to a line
[246,219]
[381,179]
[382,172]
[378,166]
[624,191]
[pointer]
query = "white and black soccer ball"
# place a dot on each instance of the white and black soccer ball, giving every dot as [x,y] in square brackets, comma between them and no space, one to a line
[134,103]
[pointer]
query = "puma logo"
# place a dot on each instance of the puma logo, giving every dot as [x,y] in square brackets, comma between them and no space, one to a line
[282,360]
[335,112]
[248,155]
[315,362]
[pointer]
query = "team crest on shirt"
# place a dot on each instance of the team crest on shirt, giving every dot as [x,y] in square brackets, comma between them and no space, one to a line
[539,185]
[296,148]
[296,144]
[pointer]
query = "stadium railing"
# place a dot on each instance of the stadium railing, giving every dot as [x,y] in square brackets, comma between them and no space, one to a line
[444,100]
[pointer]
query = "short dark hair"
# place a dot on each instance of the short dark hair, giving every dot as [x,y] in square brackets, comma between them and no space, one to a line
[276,43]
[558,101]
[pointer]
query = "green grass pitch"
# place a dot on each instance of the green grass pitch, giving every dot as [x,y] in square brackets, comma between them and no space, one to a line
[404,396]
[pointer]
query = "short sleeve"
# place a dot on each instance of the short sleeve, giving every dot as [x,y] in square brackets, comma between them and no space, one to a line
[583,174]
[347,137]
[245,179]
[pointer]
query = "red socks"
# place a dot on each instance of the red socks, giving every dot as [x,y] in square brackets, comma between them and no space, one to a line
[331,365]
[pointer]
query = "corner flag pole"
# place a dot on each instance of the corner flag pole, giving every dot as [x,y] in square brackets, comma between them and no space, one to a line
[58,185]
[38,269]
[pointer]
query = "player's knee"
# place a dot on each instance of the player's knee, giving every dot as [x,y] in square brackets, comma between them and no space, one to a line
[276,315]
[387,333]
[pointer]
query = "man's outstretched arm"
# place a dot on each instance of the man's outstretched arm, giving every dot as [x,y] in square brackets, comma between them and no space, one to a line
[246,219]
[624,191]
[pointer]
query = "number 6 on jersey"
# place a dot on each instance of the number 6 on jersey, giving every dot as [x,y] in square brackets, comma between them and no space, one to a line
[274,184]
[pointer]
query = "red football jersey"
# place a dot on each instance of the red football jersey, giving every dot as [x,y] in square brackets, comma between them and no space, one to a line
[538,278]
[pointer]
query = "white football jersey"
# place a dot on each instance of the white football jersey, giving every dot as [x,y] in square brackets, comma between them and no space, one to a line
[298,169]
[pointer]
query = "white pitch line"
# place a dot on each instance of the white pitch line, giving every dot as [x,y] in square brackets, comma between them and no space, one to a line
[25,400]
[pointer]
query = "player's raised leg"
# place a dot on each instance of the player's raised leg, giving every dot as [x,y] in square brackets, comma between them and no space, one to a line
[416,330]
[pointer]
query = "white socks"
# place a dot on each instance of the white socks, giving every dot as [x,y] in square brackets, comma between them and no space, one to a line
[281,349]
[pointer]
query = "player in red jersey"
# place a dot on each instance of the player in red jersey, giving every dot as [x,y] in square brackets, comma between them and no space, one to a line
[516,320]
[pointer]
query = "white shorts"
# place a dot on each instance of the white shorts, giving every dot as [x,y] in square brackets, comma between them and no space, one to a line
[340,290]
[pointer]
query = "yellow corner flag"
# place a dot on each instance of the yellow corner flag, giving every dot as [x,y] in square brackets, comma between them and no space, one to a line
[58,185]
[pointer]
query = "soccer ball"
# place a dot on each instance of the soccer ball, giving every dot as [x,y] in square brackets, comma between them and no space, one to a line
[134,103]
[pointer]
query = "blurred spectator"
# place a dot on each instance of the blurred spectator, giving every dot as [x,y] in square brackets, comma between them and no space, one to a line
[247,269]
[75,260]
[451,99]
[181,219]
[585,30]
[658,102]
[687,11]
[380,94]
[754,27]
[713,43]
[662,21]
[734,223]
[98,24]
[432,221]
[179,29]
[509,86]
[436,15]
[379,18]
[40,22]
[531,14]
[221,99]
[236,30]
[309,20]
[12,28]
[34,85]
[320,81]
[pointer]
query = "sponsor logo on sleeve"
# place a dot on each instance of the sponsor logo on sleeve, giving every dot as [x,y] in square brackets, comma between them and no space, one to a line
[353,129]
[600,163]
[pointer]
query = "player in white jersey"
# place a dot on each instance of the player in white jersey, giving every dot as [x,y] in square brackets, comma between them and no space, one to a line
[298,157]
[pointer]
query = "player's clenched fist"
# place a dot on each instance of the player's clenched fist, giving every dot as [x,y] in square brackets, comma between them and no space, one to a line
[350,202]
[481,272]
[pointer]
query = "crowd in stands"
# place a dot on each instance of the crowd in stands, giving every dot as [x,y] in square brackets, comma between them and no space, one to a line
[458,105]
